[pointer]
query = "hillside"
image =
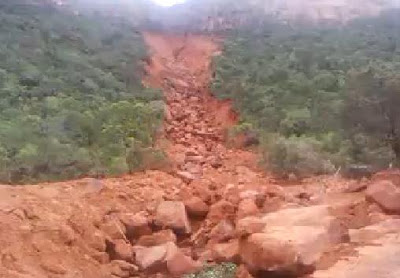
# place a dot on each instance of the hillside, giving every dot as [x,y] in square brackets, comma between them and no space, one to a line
[209,140]
[303,91]
[71,85]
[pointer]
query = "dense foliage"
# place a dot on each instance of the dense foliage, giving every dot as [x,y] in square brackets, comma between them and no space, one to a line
[71,100]
[319,97]
[223,270]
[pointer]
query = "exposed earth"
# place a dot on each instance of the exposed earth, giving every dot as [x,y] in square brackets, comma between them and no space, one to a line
[211,205]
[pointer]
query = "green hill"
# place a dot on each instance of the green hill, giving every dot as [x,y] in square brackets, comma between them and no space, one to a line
[71,99]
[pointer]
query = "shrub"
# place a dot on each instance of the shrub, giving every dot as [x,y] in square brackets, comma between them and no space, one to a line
[223,270]
[301,156]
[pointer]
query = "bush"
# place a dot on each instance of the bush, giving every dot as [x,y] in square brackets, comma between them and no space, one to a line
[223,270]
[301,156]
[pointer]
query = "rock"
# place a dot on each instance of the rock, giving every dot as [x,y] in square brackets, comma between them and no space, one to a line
[371,233]
[223,231]
[194,158]
[179,264]
[165,257]
[196,207]
[68,236]
[101,257]
[355,186]
[53,266]
[201,189]
[185,176]
[194,169]
[378,254]
[122,251]
[392,175]
[261,252]
[150,257]
[215,162]
[221,210]
[136,225]
[247,207]
[248,194]
[226,252]
[172,214]
[250,225]
[122,269]
[113,228]
[243,272]
[192,152]
[95,239]
[158,238]
[292,240]
[386,195]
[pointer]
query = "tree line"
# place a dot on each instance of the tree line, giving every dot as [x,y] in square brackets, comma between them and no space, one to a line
[320,98]
[71,99]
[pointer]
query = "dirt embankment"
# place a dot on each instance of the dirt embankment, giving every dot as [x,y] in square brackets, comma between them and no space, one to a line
[213,206]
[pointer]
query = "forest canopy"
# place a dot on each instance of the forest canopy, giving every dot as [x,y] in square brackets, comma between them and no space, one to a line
[71,98]
[320,98]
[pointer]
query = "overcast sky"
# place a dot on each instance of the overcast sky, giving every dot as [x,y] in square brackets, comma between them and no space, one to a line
[168,3]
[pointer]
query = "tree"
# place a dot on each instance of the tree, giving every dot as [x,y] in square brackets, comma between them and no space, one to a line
[372,107]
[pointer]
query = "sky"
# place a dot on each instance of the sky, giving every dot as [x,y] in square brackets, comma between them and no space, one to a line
[168,3]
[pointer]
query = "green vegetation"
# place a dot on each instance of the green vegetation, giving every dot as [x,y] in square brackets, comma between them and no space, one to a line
[223,270]
[71,99]
[318,97]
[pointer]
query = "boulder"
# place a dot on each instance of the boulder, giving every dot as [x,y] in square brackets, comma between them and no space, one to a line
[166,257]
[243,272]
[392,175]
[250,225]
[179,264]
[122,251]
[172,214]
[101,257]
[292,240]
[151,258]
[95,239]
[247,207]
[221,210]
[113,228]
[196,207]
[226,252]
[122,269]
[355,186]
[223,231]
[136,225]
[378,253]
[158,238]
[215,161]
[386,194]
[375,232]
[261,252]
